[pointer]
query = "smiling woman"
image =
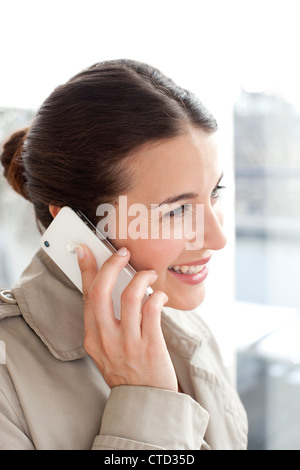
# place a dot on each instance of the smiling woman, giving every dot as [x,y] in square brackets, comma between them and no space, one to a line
[119,129]
[191,169]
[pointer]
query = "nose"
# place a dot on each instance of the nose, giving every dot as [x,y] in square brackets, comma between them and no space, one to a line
[208,229]
[214,236]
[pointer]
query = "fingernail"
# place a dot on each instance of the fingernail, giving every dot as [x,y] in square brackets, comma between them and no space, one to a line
[80,252]
[153,272]
[122,252]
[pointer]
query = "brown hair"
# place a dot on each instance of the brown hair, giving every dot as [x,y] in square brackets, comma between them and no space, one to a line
[75,151]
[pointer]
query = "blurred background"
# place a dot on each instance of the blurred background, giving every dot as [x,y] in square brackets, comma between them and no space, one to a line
[241,58]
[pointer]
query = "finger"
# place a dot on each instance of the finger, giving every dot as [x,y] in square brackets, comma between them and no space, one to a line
[88,267]
[151,317]
[131,301]
[89,270]
[104,283]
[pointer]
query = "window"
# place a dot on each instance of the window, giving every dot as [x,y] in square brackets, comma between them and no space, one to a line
[267,170]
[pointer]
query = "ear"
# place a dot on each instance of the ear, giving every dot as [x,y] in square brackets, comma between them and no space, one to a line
[54,210]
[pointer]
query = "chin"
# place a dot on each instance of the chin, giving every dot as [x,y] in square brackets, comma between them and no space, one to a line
[188,302]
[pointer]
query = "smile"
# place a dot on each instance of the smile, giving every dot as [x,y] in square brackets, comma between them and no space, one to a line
[190,273]
[184,269]
[194,267]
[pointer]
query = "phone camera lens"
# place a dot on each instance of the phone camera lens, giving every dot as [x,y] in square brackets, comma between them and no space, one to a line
[47,244]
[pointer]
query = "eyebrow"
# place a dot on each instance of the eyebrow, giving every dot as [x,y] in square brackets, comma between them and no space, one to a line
[180,197]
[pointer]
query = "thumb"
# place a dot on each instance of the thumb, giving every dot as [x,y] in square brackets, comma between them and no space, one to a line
[88,267]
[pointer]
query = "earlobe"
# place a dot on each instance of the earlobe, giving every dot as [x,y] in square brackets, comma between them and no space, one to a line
[54,210]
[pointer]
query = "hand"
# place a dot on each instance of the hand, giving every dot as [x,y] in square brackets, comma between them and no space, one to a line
[130,351]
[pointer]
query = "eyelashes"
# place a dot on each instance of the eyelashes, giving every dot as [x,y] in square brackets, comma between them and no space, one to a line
[216,192]
[185,209]
[179,211]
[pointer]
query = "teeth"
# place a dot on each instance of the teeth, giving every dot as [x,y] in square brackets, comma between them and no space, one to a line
[187,269]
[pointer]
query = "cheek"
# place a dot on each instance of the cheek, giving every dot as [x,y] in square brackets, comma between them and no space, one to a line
[154,254]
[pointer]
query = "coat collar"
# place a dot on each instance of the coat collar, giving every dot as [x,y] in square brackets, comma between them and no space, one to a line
[53,307]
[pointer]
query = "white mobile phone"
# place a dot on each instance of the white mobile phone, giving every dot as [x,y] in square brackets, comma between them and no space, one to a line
[70,228]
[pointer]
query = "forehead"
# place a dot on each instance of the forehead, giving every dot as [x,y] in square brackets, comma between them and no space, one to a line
[182,164]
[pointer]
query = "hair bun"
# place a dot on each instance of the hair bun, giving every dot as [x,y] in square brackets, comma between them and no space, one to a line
[12,161]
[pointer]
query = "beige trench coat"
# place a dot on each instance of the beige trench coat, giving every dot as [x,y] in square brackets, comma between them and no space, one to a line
[53,397]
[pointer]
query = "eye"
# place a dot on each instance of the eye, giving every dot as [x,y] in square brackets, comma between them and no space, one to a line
[179,211]
[216,192]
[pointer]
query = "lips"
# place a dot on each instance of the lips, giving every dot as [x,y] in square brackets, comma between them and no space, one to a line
[193,267]
[192,273]
[184,269]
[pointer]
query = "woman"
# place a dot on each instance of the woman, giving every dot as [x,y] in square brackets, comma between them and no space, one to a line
[75,376]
